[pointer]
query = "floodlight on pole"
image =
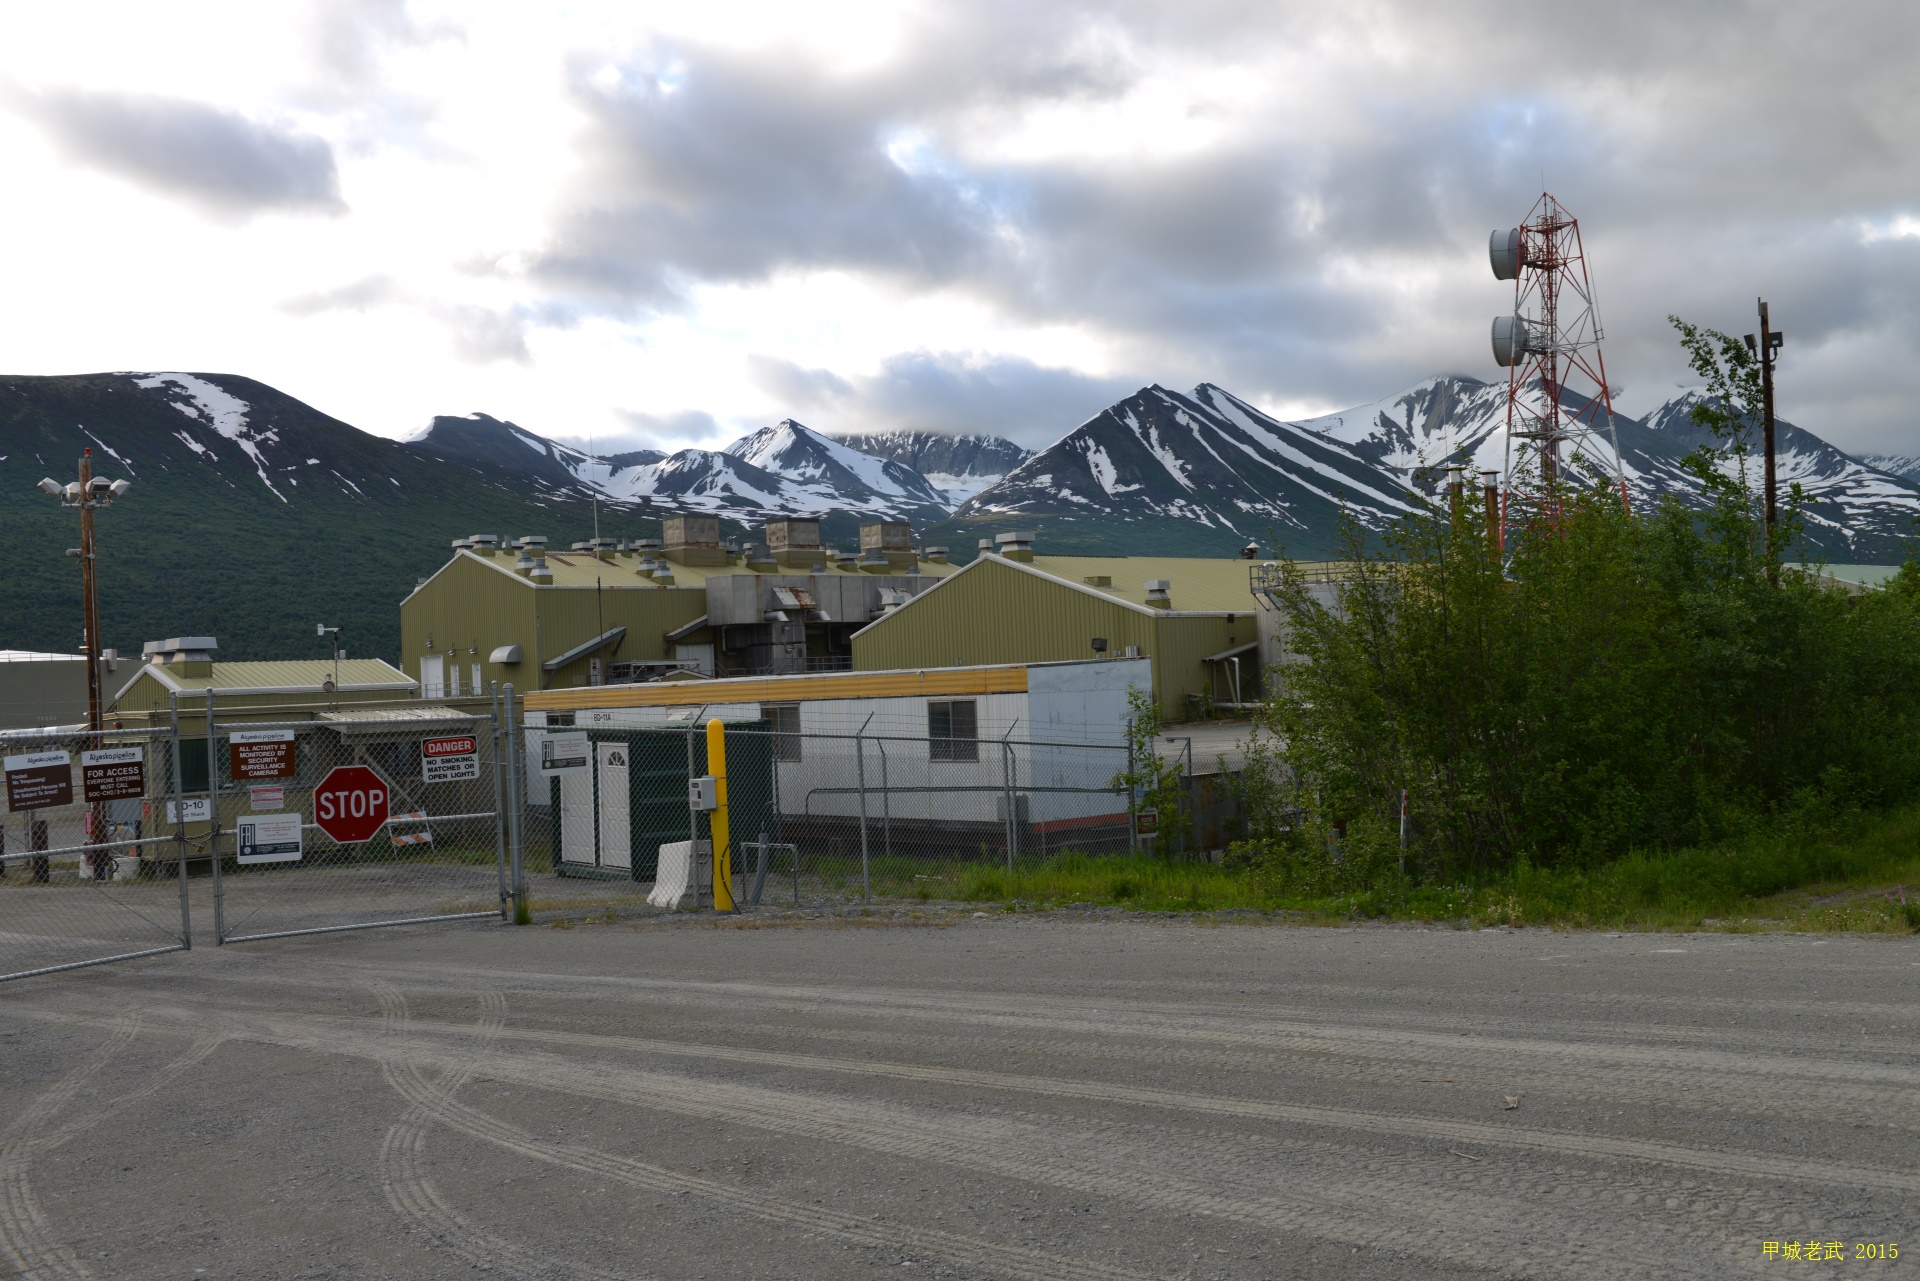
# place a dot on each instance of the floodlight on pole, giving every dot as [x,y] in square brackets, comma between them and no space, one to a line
[88,493]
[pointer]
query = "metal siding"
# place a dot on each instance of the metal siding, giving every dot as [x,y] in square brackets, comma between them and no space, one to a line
[999,614]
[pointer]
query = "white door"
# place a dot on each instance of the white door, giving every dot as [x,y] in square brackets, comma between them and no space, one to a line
[576,816]
[433,676]
[616,838]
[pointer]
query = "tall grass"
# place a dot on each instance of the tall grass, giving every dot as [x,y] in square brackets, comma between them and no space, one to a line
[1781,878]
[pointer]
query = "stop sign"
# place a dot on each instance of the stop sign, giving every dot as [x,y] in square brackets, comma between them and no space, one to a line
[350,804]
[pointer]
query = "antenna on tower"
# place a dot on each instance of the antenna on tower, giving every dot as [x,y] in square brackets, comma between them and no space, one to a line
[1559,406]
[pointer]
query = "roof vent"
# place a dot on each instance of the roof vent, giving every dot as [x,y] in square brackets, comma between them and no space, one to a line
[531,542]
[819,567]
[663,576]
[484,540]
[461,544]
[581,547]
[760,560]
[526,565]
[938,555]
[541,573]
[646,544]
[846,560]
[1158,596]
[647,565]
[1015,546]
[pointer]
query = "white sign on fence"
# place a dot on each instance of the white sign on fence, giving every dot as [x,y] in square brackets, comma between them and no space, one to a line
[562,752]
[266,798]
[268,838]
[199,810]
[449,760]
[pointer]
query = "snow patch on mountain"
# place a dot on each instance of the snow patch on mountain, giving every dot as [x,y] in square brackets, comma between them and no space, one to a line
[226,413]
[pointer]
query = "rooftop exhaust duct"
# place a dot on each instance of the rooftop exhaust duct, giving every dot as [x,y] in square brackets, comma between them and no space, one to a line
[1159,593]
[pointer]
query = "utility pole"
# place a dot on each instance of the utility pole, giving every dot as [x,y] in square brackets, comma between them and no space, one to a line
[1770,342]
[88,493]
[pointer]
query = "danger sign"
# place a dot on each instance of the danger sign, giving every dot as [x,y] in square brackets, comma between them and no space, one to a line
[39,780]
[449,760]
[114,773]
[260,753]
[350,804]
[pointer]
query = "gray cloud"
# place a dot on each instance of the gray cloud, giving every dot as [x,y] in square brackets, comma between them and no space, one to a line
[483,336]
[360,295]
[1713,151]
[944,392]
[217,160]
[668,432]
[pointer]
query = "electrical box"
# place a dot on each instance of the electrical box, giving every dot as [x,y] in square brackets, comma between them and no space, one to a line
[703,793]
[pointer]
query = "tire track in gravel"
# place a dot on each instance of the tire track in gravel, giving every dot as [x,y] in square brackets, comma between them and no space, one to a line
[1735,1084]
[316,1031]
[1255,1186]
[402,1174]
[438,1104]
[36,1253]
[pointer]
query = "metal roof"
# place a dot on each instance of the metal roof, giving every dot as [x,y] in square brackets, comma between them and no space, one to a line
[1204,584]
[301,675]
[583,569]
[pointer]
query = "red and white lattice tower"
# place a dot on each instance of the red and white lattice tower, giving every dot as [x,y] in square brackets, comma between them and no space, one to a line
[1558,404]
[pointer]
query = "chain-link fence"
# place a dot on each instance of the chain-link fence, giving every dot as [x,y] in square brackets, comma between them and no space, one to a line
[360,817]
[814,818]
[86,847]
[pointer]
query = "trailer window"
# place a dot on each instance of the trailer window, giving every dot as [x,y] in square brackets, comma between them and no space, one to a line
[953,731]
[786,729]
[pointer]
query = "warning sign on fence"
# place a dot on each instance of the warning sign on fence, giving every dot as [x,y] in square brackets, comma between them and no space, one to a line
[39,780]
[449,760]
[268,838]
[260,753]
[114,773]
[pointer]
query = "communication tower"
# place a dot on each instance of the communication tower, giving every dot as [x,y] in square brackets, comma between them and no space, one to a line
[1558,404]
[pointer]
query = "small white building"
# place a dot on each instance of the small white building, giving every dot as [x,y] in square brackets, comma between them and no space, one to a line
[939,752]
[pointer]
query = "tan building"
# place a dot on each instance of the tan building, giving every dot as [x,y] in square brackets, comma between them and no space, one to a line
[619,612]
[1197,620]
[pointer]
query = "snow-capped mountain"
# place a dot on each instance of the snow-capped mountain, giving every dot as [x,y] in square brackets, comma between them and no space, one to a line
[959,466]
[809,461]
[558,468]
[1905,466]
[1206,458]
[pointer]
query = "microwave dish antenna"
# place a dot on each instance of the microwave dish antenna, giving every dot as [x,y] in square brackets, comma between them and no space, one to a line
[1559,408]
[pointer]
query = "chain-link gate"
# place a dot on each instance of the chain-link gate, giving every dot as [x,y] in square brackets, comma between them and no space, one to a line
[87,845]
[357,818]
[814,818]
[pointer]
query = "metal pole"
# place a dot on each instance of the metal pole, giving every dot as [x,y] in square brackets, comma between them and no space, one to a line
[499,805]
[1006,789]
[516,835]
[886,802]
[90,588]
[1766,400]
[860,756]
[180,827]
[1133,791]
[213,831]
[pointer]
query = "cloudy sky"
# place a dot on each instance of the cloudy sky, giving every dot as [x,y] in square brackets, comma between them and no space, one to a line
[669,224]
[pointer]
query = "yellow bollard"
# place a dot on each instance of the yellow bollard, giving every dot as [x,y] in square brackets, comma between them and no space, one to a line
[722,849]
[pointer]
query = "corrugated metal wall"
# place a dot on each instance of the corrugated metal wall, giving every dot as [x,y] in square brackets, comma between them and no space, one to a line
[994,613]
[470,606]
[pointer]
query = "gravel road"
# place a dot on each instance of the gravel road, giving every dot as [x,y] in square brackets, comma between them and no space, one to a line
[1032,1098]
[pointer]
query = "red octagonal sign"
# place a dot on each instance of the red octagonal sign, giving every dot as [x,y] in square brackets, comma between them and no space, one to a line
[350,805]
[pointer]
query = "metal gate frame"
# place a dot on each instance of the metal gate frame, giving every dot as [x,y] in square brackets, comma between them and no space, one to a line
[149,738]
[499,812]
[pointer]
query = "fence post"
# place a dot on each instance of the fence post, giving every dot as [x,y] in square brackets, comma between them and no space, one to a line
[860,756]
[516,834]
[213,830]
[1133,794]
[1006,787]
[886,803]
[180,827]
[500,806]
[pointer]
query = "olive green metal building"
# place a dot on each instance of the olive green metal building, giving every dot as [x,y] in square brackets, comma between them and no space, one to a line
[611,612]
[1197,619]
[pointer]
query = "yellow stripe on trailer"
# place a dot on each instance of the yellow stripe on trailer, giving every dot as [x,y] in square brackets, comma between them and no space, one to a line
[932,683]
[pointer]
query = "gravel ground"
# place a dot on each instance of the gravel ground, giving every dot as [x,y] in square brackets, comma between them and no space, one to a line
[954,1095]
